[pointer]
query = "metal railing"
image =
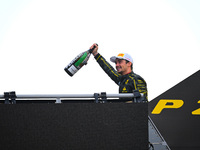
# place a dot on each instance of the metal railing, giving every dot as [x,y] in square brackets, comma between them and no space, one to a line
[13,97]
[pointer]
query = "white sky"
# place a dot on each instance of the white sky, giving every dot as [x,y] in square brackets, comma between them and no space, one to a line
[38,38]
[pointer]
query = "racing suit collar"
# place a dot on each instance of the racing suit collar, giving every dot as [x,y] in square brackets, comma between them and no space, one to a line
[124,76]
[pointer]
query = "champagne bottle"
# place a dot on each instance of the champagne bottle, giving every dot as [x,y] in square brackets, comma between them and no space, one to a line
[78,62]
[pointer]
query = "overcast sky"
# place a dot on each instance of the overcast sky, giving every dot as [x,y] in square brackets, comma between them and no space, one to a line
[38,38]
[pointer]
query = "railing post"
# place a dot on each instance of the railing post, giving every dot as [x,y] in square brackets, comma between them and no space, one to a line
[58,101]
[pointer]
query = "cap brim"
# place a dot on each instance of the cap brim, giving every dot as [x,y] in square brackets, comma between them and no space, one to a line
[113,58]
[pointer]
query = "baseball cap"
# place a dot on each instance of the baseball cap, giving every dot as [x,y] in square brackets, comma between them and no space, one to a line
[122,56]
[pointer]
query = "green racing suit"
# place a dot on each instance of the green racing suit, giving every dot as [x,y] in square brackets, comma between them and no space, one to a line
[127,83]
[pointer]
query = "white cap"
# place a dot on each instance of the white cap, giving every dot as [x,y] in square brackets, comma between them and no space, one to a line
[122,56]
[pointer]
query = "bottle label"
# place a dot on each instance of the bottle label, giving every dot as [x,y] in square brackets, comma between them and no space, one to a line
[72,69]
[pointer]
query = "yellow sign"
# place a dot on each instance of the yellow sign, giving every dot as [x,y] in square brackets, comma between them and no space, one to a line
[197,111]
[167,103]
[172,104]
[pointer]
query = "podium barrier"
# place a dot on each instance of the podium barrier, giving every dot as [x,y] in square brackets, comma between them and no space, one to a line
[74,126]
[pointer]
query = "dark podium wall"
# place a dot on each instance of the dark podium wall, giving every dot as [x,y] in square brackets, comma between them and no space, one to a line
[74,126]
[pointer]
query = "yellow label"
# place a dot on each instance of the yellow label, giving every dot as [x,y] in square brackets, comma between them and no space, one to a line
[126,81]
[124,89]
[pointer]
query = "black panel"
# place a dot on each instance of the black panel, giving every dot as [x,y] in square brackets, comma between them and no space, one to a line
[74,126]
[180,127]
